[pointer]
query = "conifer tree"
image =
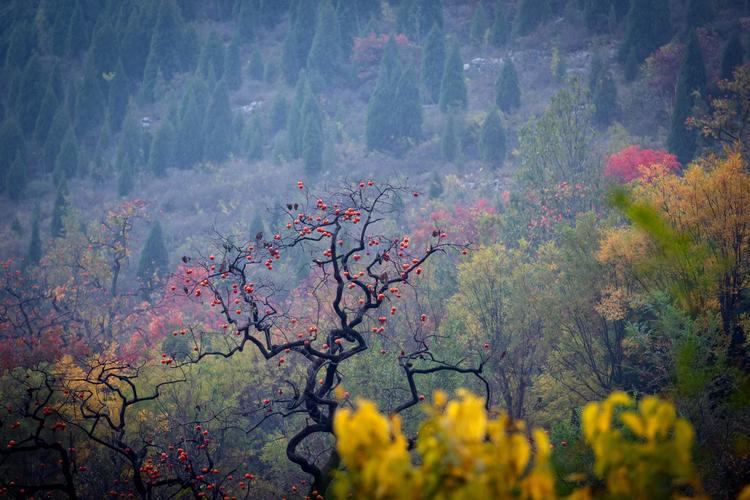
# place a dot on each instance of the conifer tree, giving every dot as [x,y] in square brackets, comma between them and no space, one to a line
[57,132]
[67,159]
[348,26]
[34,252]
[507,91]
[20,46]
[530,14]
[256,67]
[257,226]
[449,141]
[453,94]
[492,140]
[189,137]
[162,150]
[49,106]
[255,140]
[118,98]
[596,15]
[57,226]
[682,140]
[430,14]
[247,20]
[190,49]
[732,56]
[433,63]
[479,26]
[89,105]
[381,127]
[277,116]
[596,70]
[136,42]
[312,134]
[218,125]
[295,118]
[212,57]
[298,41]
[436,186]
[79,32]
[165,41]
[125,181]
[15,182]
[30,94]
[605,99]
[699,12]
[11,146]
[104,51]
[154,260]
[632,68]
[325,58]
[647,28]
[407,18]
[408,108]
[233,66]
[501,26]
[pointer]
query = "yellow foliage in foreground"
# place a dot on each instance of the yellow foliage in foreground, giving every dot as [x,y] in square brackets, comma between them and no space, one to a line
[641,450]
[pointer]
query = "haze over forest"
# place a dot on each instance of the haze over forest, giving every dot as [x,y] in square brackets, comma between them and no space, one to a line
[386,249]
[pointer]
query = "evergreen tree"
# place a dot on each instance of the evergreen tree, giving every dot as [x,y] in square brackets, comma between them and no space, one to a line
[166,38]
[11,146]
[433,63]
[500,31]
[348,26]
[407,18]
[104,52]
[136,43]
[125,181]
[67,159]
[436,186]
[256,226]
[212,57]
[58,131]
[30,94]
[605,99]
[381,127]
[15,182]
[189,150]
[596,70]
[218,126]
[682,140]
[325,58]
[507,91]
[312,134]
[699,12]
[408,108]
[233,66]
[632,68]
[162,150]
[190,48]
[298,40]
[256,68]
[247,18]
[154,261]
[732,56]
[596,15]
[78,33]
[57,226]
[479,26]
[129,150]
[450,140]
[278,114]
[453,94]
[270,72]
[492,140]
[430,14]
[254,139]
[530,14]
[89,105]
[294,121]
[20,45]
[118,99]
[34,253]
[49,106]
[647,28]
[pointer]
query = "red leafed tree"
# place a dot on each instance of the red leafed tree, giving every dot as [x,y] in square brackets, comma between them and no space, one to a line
[634,163]
[359,270]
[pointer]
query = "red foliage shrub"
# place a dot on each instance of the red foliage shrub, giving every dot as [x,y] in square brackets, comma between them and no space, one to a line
[633,162]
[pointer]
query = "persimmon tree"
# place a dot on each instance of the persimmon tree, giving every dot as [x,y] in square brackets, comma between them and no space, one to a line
[360,270]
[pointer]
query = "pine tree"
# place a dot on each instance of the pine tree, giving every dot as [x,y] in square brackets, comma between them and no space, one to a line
[501,27]
[255,67]
[20,46]
[255,140]
[125,181]
[647,28]
[89,105]
[479,26]
[430,14]
[67,159]
[57,132]
[530,14]
[11,146]
[436,186]
[453,94]
[381,127]
[270,72]
[450,140]
[49,106]
[298,41]
[247,20]
[732,56]
[596,15]
[407,18]
[118,97]
[30,94]
[507,91]
[312,134]
[162,150]
[189,150]
[699,12]
[154,261]
[78,33]
[166,38]
[492,140]
[57,226]
[34,253]
[190,49]
[605,99]
[408,108]
[136,43]
[348,26]
[104,52]
[15,182]
[278,114]
[632,68]
[212,57]
[683,140]
[596,70]
[233,66]
[218,126]
[433,63]
[295,118]
[325,58]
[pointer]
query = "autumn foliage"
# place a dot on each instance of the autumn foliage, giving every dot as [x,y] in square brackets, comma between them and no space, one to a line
[633,162]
